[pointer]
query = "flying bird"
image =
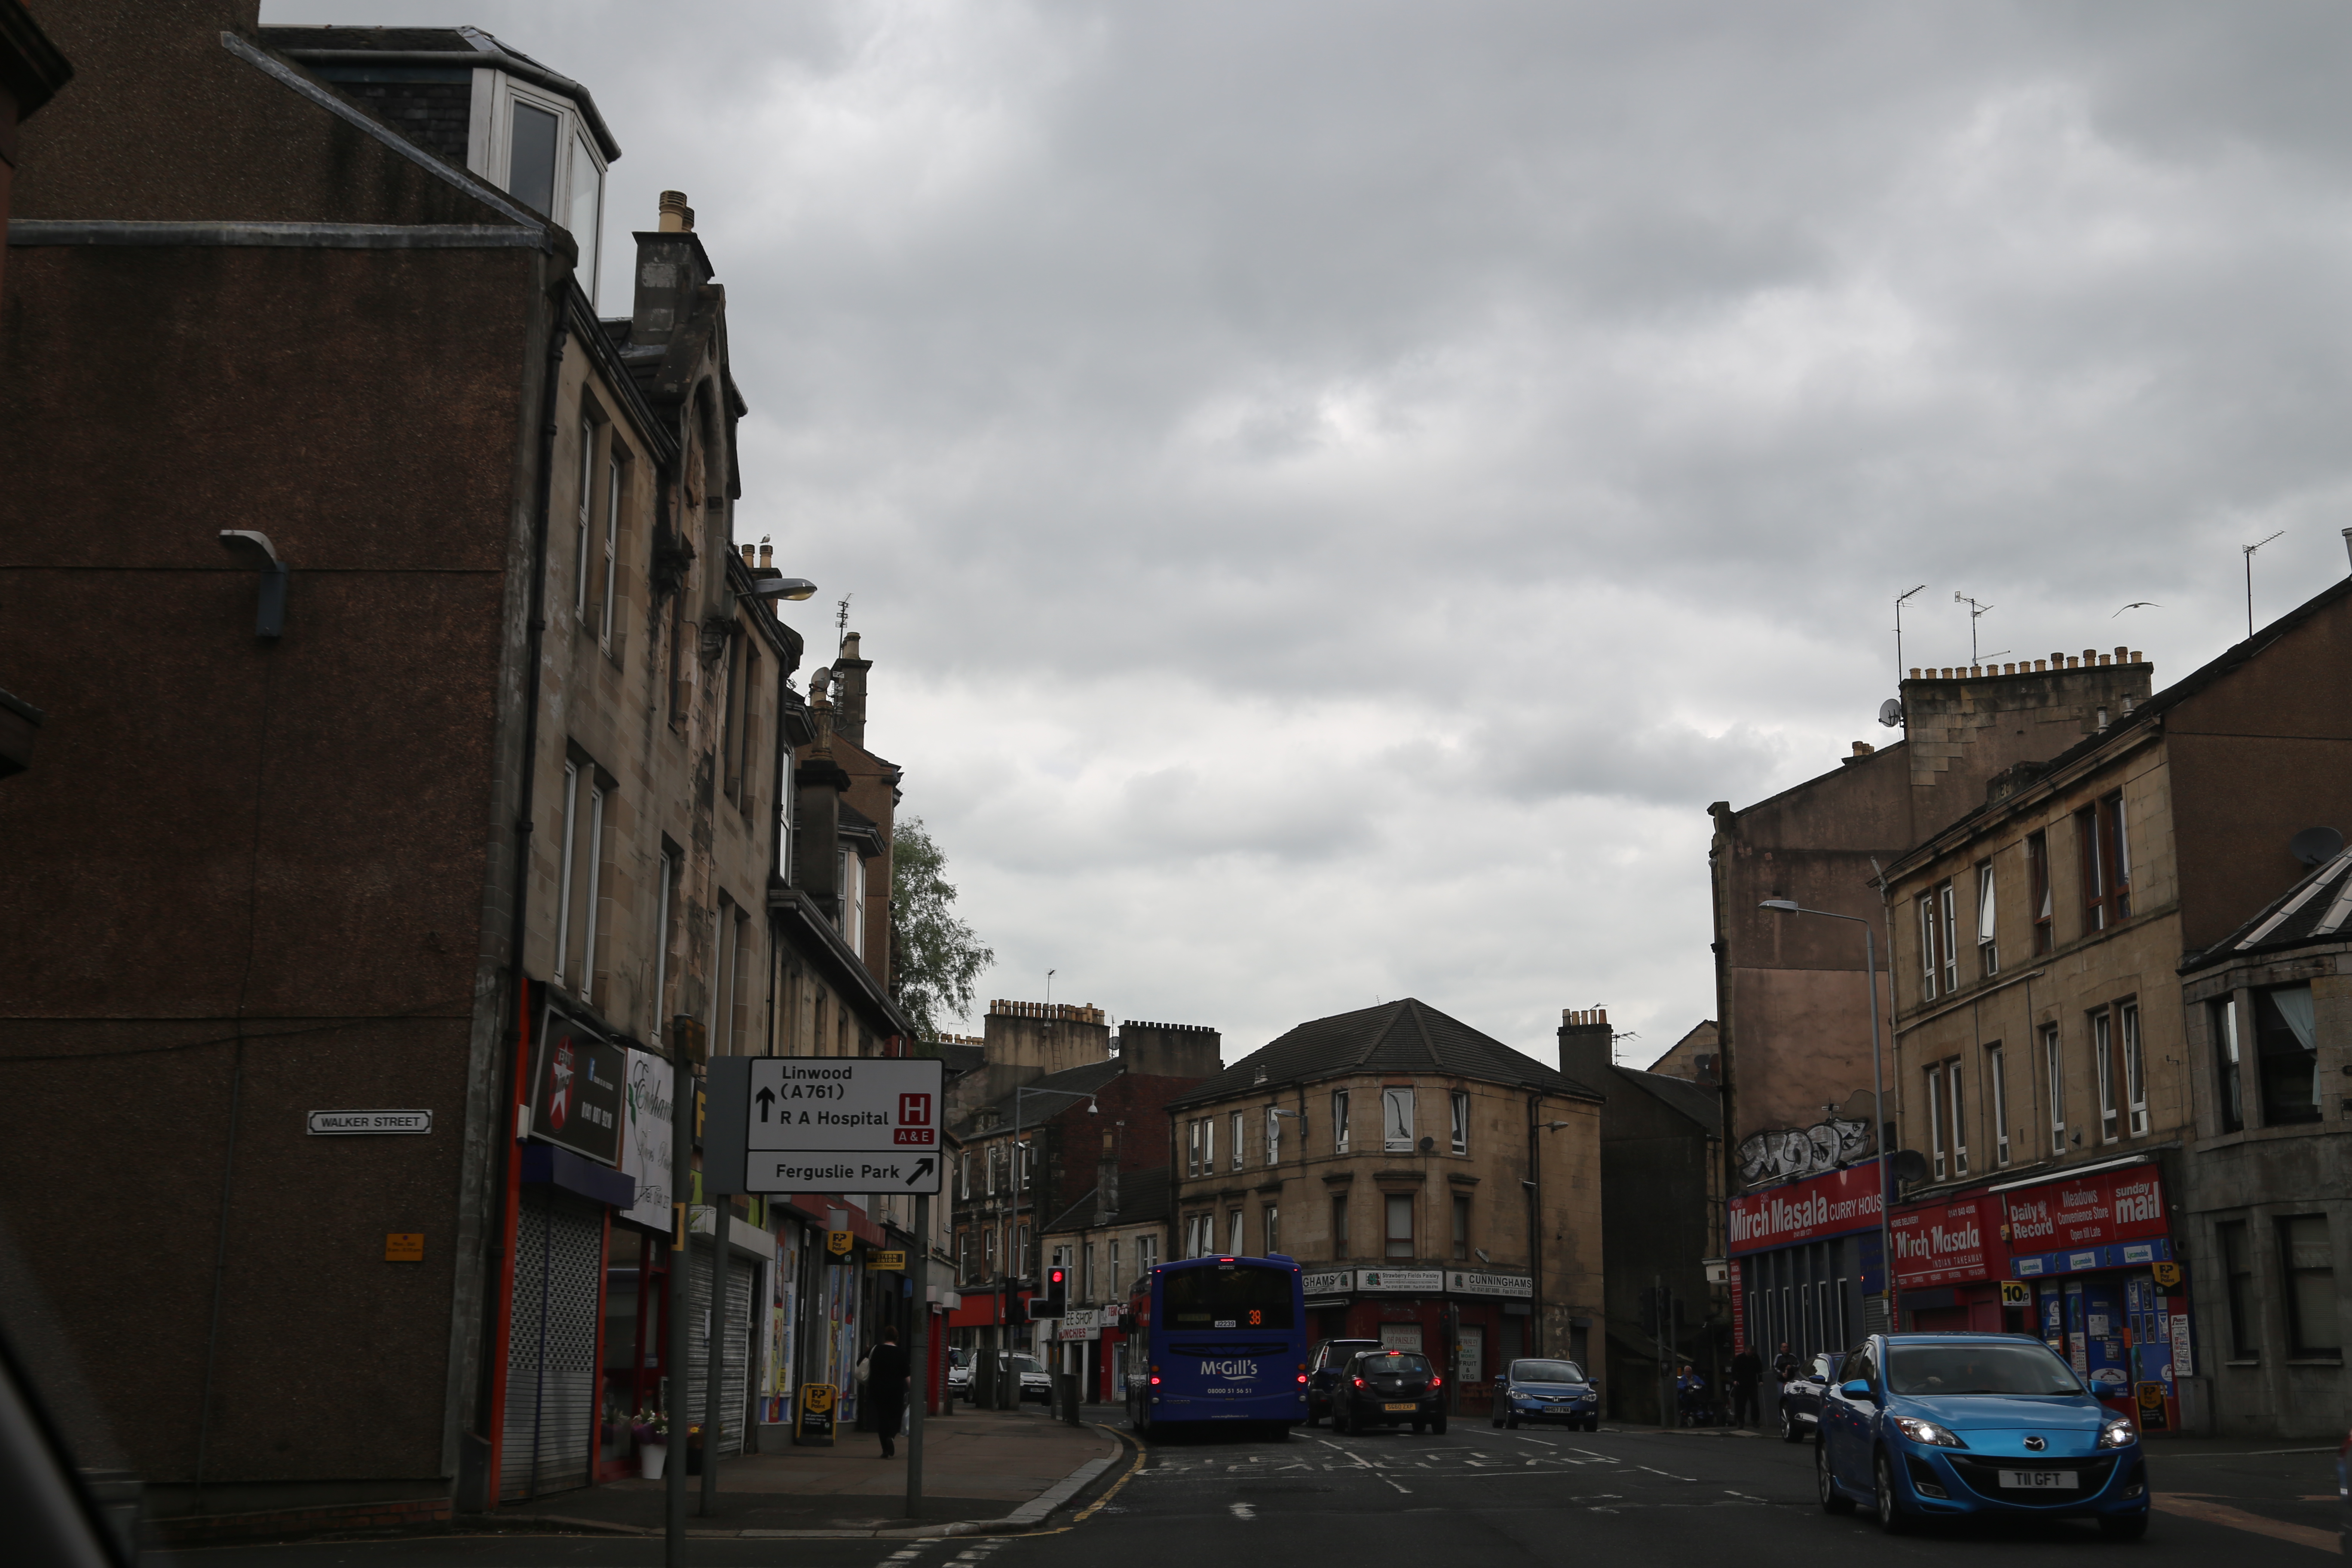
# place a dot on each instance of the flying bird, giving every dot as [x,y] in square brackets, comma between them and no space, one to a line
[2138,605]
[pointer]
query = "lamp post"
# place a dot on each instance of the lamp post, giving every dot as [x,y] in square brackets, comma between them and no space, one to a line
[1878,1100]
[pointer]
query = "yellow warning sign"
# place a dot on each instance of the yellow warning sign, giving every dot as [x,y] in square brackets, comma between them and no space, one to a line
[403,1246]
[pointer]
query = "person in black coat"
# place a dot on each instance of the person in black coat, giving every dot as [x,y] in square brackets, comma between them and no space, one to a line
[886,1385]
[1747,1371]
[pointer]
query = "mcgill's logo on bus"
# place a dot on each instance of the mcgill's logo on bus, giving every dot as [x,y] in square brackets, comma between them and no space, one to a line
[1229,1368]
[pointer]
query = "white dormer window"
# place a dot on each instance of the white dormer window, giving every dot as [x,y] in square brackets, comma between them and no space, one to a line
[533,144]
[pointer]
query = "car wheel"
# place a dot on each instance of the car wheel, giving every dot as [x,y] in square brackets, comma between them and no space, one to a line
[1833,1499]
[1592,1422]
[1338,1418]
[2124,1526]
[1892,1518]
[1498,1415]
[1789,1432]
[1437,1427]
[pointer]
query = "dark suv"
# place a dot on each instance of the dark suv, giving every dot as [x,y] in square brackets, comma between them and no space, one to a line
[1331,1358]
[1389,1388]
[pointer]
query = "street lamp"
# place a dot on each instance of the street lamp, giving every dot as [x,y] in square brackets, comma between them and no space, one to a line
[778,588]
[1878,1100]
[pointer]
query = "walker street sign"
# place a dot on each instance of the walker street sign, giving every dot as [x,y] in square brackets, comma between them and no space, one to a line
[324,1124]
[825,1124]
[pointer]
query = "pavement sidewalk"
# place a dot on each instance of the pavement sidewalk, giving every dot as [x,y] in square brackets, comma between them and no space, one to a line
[983,1470]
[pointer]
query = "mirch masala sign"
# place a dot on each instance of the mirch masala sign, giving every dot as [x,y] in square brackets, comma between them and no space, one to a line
[1831,1203]
[1945,1244]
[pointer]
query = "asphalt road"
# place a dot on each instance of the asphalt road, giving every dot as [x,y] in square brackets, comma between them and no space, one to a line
[1477,1495]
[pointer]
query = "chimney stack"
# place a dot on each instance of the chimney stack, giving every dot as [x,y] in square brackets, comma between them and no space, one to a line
[851,718]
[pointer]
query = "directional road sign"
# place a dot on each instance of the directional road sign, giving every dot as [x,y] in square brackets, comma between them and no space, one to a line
[825,1124]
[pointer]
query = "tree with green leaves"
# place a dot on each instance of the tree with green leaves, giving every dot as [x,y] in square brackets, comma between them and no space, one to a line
[935,958]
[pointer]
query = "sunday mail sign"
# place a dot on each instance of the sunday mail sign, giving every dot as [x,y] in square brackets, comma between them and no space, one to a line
[2090,1211]
[1835,1203]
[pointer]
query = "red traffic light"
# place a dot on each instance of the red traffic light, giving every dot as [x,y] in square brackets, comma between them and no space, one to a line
[1055,1277]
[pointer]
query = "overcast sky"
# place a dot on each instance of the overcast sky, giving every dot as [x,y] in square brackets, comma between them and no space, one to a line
[1333,490]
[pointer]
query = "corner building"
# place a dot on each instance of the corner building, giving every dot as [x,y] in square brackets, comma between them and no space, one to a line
[1440,1190]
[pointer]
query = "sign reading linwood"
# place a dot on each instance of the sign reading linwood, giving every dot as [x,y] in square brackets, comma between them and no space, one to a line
[825,1124]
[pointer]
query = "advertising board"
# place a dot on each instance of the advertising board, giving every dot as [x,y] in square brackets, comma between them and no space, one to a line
[2100,1208]
[1948,1244]
[1834,1203]
[576,1089]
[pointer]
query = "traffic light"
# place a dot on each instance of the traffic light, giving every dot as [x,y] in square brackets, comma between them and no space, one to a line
[1649,1314]
[1017,1309]
[1054,1302]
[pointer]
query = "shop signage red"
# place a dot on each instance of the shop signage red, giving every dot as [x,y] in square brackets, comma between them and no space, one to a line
[1832,1204]
[2089,1211]
[1947,1244]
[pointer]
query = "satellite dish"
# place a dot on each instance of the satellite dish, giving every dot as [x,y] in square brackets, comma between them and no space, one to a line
[2314,846]
[1427,1144]
[1890,712]
[1910,1165]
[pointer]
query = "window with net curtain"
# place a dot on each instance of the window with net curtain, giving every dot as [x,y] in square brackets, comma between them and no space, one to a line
[2309,1264]
[2287,1048]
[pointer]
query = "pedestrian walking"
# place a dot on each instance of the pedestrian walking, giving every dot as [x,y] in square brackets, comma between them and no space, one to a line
[1784,1367]
[1746,1368]
[886,1385]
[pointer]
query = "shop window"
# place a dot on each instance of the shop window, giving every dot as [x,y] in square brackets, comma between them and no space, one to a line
[2288,1051]
[1460,1101]
[1987,948]
[1461,1226]
[1997,1086]
[2054,1067]
[1340,1226]
[1338,1121]
[1399,1226]
[2037,892]
[1238,1140]
[2238,1279]
[1396,1122]
[2309,1266]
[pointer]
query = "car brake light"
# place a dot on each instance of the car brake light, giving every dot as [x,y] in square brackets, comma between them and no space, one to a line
[1437,1382]
[1359,1382]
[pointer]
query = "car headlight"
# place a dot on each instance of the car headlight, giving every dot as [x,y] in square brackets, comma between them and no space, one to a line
[2118,1434]
[1926,1432]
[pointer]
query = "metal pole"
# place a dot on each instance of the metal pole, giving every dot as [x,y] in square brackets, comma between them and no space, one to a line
[1878,1137]
[681,1184]
[921,1379]
[714,1357]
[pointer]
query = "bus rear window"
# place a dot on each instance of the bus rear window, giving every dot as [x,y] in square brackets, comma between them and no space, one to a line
[1227,1296]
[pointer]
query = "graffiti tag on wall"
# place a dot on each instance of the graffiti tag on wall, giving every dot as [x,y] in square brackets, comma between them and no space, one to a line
[1780,1153]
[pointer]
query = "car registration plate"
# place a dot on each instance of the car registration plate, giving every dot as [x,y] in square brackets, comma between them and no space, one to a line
[2041,1481]
[1405,1406]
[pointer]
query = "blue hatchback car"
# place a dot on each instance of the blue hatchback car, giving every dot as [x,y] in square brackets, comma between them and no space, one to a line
[1920,1427]
[1547,1390]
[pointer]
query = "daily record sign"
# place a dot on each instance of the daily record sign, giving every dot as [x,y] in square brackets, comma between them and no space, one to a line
[825,1124]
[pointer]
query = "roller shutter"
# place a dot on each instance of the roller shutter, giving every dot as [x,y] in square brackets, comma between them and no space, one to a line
[550,1418]
[737,1325]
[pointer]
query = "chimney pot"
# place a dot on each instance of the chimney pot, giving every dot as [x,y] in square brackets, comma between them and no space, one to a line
[676,217]
[2089,655]
[767,557]
[2041,664]
[2123,656]
[1915,672]
[748,551]
[2137,658]
[2072,663]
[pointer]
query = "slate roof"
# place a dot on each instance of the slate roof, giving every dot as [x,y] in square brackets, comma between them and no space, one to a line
[1142,1195]
[960,1059]
[1407,1036]
[1704,1105]
[1041,1100]
[2317,908]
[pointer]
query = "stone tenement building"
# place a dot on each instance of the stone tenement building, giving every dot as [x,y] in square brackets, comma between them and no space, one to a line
[1441,1190]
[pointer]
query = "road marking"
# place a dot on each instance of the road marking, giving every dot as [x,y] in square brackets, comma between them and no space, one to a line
[1523,1437]
[1609,1459]
[1243,1510]
[2238,1519]
[1400,1485]
[1668,1474]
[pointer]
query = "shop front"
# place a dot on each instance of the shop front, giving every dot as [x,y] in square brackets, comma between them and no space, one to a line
[2095,1251]
[1951,1267]
[1805,1265]
[1469,1321]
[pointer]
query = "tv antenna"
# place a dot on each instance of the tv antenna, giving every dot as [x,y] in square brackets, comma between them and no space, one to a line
[1975,611]
[1898,633]
[841,621]
[2250,550]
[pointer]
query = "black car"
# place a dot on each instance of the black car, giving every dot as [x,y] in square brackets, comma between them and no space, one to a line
[1800,1397]
[1389,1388]
[1331,1358]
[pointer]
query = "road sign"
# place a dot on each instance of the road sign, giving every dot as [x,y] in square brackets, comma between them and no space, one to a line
[328,1123]
[825,1124]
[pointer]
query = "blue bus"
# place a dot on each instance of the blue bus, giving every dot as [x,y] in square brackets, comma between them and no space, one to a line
[1218,1339]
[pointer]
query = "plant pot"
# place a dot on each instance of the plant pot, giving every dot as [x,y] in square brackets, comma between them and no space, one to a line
[651,1459]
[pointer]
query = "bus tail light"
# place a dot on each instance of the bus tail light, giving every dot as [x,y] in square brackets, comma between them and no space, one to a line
[1155,1382]
[1302,1377]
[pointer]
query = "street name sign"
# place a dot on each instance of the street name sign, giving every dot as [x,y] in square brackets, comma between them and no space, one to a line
[825,1125]
[330,1124]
